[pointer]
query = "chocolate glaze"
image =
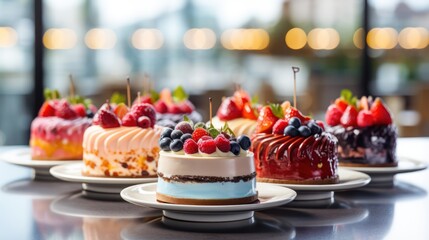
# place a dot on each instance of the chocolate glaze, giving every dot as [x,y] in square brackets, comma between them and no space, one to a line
[295,158]
[375,145]
[206,179]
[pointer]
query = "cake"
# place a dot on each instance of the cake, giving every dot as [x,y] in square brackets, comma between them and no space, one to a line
[122,142]
[366,135]
[239,111]
[201,166]
[293,149]
[57,131]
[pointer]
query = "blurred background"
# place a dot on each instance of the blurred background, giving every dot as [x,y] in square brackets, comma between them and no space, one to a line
[373,47]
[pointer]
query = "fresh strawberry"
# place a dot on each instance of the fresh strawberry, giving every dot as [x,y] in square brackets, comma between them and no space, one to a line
[129,120]
[364,103]
[321,125]
[280,126]
[47,109]
[240,98]
[174,108]
[228,110]
[144,109]
[199,133]
[190,146]
[293,112]
[207,146]
[380,113]
[267,118]
[65,111]
[365,118]
[161,106]
[120,110]
[222,143]
[333,115]
[145,99]
[108,119]
[341,104]
[349,118]
[249,112]
[80,109]
[285,105]
[186,106]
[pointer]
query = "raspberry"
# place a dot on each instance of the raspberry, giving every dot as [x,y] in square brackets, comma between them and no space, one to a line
[129,120]
[47,109]
[144,109]
[80,110]
[207,146]
[65,111]
[198,133]
[161,106]
[175,109]
[143,122]
[222,143]
[203,138]
[190,146]
[185,127]
[279,126]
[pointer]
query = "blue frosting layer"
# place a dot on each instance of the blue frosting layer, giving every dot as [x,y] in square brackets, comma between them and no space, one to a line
[216,190]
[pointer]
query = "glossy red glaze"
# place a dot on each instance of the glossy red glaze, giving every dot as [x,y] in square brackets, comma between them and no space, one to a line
[295,158]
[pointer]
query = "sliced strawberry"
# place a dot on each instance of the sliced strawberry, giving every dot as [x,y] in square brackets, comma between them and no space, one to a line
[249,112]
[120,110]
[293,112]
[364,103]
[333,115]
[349,118]
[161,106]
[341,104]
[47,109]
[228,110]
[285,105]
[240,98]
[80,109]
[65,111]
[380,113]
[108,119]
[266,120]
[365,118]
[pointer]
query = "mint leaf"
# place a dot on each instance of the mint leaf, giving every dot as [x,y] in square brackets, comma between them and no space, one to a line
[47,94]
[277,110]
[179,94]
[117,98]
[154,96]
[347,96]
[254,100]
[187,119]
[227,129]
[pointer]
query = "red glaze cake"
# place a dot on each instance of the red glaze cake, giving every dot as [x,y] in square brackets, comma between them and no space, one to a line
[292,148]
[366,135]
[57,132]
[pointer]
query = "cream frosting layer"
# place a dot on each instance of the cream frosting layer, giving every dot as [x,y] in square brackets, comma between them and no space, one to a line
[239,126]
[171,164]
[122,151]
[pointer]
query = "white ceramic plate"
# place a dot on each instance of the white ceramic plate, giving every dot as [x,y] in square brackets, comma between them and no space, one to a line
[22,157]
[73,173]
[348,180]
[269,196]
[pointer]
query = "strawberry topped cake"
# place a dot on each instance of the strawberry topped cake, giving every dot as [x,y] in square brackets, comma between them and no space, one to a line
[239,111]
[57,131]
[292,148]
[366,135]
[122,142]
[202,166]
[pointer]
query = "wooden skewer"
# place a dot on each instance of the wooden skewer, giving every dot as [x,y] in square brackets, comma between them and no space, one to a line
[72,87]
[211,103]
[295,70]
[138,97]
[128,92]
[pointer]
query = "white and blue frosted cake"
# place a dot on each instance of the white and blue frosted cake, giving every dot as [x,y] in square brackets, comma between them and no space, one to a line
[195,168]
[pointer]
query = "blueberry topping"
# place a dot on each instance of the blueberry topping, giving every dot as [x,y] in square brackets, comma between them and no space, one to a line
[291,131]
[296,122]
[235,148]
[314,127]
[164,143]
[176,134]
[233,139]
[166,133]
[304,131]
[244,142]
[176,145]
[89,113]
[185,136]
[200,124]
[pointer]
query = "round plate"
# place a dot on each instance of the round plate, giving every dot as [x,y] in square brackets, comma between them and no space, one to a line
[348,180]
[385,175]
[73,173]
[269,196]
[22,157]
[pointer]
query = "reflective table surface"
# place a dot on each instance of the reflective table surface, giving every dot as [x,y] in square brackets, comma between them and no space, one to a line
[42,209]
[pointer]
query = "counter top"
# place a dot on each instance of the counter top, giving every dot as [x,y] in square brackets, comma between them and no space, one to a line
[37,209]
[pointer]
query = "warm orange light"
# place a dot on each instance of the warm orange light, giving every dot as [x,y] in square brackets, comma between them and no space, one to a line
[358,38]
[323,38]
[199,38]
[100,38]
[59,38]
[8,37]
[245,39]
[413,38]
[147,39]
[382,38]
[296,38]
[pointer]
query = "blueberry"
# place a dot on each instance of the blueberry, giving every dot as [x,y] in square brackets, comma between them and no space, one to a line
[233,139]
[176,134]
[89,113]
[291,131]
[166,133]
[235,148]
[296,122]
[200,124]
[315,129]
[185,136]
[176,145]
[304,131]
[244,142]
[164,143]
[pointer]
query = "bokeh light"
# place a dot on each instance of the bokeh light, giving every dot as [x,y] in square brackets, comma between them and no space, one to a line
[100,38]
[296,38]
[147,39]
[245,39]
[199,38]
[59,38]
[8,37]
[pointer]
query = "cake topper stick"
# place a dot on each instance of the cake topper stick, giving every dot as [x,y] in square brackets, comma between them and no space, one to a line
[295,70]
[146,84]
[210,102]
[138,97]
[72,87]
[128,92]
